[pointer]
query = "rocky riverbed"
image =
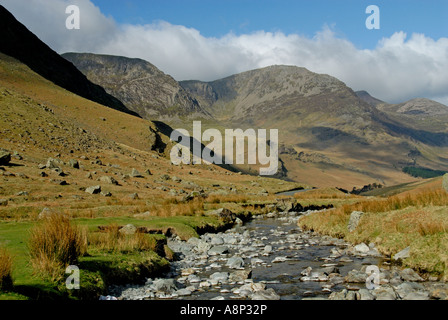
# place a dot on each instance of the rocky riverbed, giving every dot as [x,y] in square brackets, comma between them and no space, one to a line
[271,258]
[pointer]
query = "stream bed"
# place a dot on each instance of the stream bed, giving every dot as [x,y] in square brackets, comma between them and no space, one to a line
[268,258]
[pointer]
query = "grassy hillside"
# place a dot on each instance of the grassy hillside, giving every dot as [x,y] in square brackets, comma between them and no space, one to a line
[40,121]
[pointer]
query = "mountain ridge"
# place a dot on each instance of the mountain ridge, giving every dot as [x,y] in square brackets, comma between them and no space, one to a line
[20,43]
[141,86]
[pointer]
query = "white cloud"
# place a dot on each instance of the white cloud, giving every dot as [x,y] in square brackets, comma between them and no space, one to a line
[401,67]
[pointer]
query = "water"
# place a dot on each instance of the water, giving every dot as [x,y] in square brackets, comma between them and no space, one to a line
[296,250]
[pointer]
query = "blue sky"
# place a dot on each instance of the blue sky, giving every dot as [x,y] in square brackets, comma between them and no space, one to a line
[208,40]
[216,18]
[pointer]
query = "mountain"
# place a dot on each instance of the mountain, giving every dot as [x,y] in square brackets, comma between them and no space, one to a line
[140,85]
[18,42]
[330,135]
[366,97]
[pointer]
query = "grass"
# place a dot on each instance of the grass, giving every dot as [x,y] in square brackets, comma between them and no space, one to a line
[55,244]
[418,220]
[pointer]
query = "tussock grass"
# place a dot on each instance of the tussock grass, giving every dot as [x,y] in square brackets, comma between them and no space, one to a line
[228,198]
[113,241]
[5,270]
[173,208]
[54,244]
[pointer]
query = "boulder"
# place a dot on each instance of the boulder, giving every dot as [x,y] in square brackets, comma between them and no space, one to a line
[136,174]
[355,217]
[94,190]
[129,229]
[217,250]
[403,254]
[240,275]
[410,275]
[268,294]
[3,202]
[362,248]
[53,164]
[109,180]
[166,286]
[73,163]
[235,263]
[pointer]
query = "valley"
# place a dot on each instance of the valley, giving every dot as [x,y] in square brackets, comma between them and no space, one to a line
[87,179]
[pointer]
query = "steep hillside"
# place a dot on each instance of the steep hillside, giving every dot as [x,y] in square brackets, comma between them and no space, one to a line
[140,85]
[18,42]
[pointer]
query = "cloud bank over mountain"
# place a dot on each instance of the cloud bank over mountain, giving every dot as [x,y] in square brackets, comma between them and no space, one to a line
[401,67]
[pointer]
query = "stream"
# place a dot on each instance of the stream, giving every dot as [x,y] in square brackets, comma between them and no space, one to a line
[268,258]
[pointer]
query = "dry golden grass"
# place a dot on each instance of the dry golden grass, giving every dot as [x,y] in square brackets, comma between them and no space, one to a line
[114,241]
[172,208]
[5,270]
[415,219]
[54,244]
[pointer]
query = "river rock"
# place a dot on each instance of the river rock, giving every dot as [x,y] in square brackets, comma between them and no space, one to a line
[183,292]
[362,248]
[216,250]
[239,276]
[384,293]
[220,276]
[235,263]
[166,286]
[268,294]
[356,276]
[365,295]
[217,240]
[410,275]
[355,217]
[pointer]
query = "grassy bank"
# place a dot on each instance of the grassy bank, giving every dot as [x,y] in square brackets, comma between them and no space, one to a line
[418,219]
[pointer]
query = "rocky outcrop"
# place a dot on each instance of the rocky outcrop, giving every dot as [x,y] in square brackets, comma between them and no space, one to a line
[139,85]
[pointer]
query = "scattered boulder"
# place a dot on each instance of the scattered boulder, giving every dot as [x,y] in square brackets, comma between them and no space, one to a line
[129,229]
[53,164]
[355,217]
[73,163]
[403,254]
[3,202]
[133,196]
[94,190]
[109,180]
[136,174]
[225,215]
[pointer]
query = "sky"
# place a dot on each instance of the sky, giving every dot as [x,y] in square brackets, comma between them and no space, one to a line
[211,39]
